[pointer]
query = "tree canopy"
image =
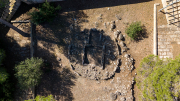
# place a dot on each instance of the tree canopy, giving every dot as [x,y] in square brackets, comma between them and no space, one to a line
[28,72]
[159,80]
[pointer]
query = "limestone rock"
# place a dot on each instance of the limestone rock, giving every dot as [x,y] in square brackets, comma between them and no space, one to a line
[121,37]
[113,96]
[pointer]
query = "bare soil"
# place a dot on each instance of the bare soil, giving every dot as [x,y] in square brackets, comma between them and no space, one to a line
[54,37]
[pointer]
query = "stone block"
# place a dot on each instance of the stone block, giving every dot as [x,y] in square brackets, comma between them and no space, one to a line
[166,56]
[169,39]
[160,50]
[173,36]
[160,36]
[169,53]
[162,39]
[161,57]
[162,46]
[169,46]
[163,53]
[160,43]
[166,43]
[167,50]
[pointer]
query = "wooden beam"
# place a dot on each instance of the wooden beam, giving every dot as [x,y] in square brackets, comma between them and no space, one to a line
[14,28]
[26,21]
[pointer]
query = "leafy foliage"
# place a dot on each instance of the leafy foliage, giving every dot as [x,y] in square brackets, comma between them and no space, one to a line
[134,30]
[3,75]
[2,55]
[45,13]
[28,72]
[159,80]
[42,98]
[3,3]
[6,82]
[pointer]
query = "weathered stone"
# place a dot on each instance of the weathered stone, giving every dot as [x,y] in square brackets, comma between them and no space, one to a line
[118,93]
[58,59]
[105,25]
[113,96]
[121,37]
[119,18]
[113,26]
[122,44]
[116,33]
[126,56]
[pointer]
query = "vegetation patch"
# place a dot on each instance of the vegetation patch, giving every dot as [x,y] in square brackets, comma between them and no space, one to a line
[134,30]
[29,72]
[43,98]
[3,3]
[45,13]
[159,80]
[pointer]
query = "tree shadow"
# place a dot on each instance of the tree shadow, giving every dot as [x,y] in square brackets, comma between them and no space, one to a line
[14,55]
[72,5]
[143,34]
[58,84]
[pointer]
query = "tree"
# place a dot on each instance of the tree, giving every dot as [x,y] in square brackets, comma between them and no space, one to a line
[159,80]
[3,73]
[3,3]
[42,98]
[28,72]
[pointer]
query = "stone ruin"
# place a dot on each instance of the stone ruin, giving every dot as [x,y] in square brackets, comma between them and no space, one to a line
[99,57]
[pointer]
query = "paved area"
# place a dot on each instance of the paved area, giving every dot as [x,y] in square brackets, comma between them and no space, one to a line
[168,41]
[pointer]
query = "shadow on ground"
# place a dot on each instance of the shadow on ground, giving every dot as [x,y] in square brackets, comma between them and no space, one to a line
[72,5]
[58,84]
[65,31]
[13,56]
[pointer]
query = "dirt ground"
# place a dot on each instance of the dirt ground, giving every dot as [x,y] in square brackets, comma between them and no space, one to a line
[53,39]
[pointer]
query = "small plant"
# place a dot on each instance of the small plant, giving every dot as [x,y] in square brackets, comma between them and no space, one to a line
[28,72]
[134,30]
[42,98]
[45,13]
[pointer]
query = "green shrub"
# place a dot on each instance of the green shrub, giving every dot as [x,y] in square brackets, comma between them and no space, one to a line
[3,3]
[28,72]
[134,30]
[45,13]
[159,80]
[2,55]
[42,98]
[3,75]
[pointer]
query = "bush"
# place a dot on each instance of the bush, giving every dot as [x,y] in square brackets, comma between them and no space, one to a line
[3,3]
[159,80]
[6,82]
[3,75]
[134,30]
[42,98]
[2,55]
[28,72]
[45,13]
